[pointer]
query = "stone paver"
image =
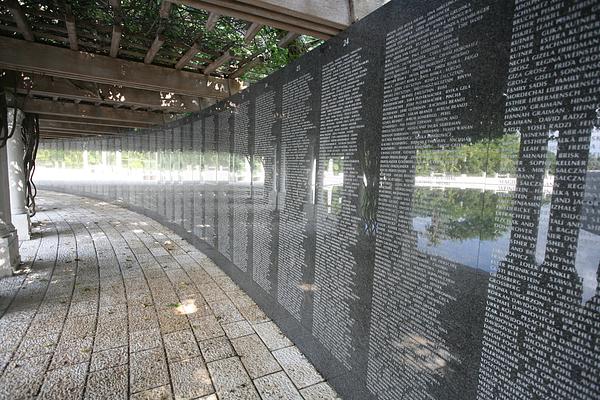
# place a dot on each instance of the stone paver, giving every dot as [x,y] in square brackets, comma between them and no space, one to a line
[237,329]
[320,391]
[298,368]
[190,379]
[181,345]
[231,380]
[216,349]
[148,370]
[113,305]
[276,387]
[108,383]
[159,393]
[272,336]
[64,383]
[109,358]
[255,356]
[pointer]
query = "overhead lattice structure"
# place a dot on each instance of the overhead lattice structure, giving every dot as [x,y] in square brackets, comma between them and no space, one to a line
[90,67]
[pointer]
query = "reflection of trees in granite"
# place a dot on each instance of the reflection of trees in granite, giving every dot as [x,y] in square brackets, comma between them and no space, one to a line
[541,330]
[427,131]
[457,214]
[485,156]
[425,340]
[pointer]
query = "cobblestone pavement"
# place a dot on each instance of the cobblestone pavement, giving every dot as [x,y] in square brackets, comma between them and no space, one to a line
[113,305]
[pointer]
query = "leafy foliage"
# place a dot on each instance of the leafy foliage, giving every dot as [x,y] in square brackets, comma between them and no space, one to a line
[141,23]
[491,156]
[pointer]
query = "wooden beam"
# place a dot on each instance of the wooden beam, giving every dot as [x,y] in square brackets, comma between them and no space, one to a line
[117,29]
[153,50]
[76,120]
[159,39]
[212,20]
[85,111]
[247,66]
[165,9]
[38,58]
[72,133]
[187,57]
[217,63]
[78,132]
[115,40]
[246,12]
[335,14]
[57,135]
[47,86]
[71,31]
[19,16]
[53,135]
[100,130]
[287,39]
[252,31]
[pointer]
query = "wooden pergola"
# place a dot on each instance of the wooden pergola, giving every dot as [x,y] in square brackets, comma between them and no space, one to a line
[98,77]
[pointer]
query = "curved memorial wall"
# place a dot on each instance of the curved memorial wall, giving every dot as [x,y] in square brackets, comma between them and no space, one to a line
[415,202]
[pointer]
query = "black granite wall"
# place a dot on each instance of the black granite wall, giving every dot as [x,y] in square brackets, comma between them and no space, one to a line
[415,202]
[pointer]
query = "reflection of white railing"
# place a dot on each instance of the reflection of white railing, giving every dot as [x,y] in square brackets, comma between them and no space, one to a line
[330,179]
[503,183]
[113,174]
[105,174]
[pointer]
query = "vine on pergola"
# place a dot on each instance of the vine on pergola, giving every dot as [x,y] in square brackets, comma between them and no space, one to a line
[141,22]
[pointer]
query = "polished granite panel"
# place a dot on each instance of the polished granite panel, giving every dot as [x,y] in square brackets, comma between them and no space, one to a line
[415,202]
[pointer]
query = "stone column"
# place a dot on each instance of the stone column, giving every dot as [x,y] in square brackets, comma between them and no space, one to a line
[9,243]
[16,176]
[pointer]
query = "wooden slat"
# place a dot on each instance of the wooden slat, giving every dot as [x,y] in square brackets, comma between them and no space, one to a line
[252,31]
[19,16]
[187,57]
[48,107]
[24,56]
[165,9]
[47,86]
[287,39]
[153,50]
[115,41]
[217,63]
[58,132]
[117,28]
[76,120]
[72,32]
[247,66]
[58,135]
[63,127]
[212,20]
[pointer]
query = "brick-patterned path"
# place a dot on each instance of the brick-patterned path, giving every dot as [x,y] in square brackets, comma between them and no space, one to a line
[113,305]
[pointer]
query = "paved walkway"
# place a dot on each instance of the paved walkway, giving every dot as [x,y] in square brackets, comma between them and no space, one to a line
[113,305]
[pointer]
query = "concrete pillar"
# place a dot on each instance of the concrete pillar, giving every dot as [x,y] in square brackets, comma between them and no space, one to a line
[16,177]
[9,243]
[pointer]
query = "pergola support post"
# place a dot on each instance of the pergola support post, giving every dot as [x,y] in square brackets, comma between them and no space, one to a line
[9,243]
[16,176]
